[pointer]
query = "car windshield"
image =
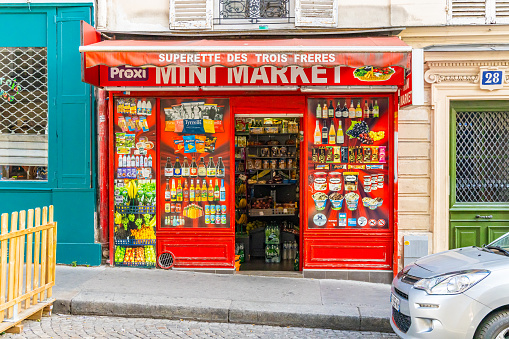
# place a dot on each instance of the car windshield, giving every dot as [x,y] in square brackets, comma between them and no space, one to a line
[502,242]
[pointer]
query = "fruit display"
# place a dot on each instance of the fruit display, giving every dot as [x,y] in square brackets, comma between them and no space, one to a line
[254,225]
[241,203]
[262,203]
[143,233]
[240,189]
[119,254]
[150,255]
[242,219]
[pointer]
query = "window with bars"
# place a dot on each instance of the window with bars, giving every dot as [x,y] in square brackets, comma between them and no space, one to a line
[482,157]
[23,113]
[467,12]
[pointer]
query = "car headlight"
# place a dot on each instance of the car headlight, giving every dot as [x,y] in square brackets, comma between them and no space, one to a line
[451,283]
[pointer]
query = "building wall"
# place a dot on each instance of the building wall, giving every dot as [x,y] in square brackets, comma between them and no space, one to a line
[136,16]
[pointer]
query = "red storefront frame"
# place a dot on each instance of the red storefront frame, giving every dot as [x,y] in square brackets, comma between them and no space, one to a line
[212,249]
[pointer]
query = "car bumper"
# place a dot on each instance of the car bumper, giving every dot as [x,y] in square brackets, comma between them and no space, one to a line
[435,316]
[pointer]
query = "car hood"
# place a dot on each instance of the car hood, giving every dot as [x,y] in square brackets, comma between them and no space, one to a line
[460,259]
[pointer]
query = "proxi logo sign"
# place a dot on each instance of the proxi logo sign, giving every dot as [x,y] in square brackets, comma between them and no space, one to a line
[126,73]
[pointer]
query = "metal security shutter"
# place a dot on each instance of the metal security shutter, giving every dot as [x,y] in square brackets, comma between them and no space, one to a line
[467,12]
[317,13]
[191,14]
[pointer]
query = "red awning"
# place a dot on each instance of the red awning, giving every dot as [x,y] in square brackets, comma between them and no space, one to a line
[352,52]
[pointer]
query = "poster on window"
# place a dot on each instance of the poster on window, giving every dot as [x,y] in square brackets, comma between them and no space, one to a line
[195,162]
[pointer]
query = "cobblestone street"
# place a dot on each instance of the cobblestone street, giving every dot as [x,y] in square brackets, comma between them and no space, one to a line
[65,326]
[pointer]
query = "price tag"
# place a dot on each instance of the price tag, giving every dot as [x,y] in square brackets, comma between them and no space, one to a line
[491,78]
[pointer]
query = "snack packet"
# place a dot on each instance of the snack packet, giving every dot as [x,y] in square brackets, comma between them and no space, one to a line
[189,144]
[200,143]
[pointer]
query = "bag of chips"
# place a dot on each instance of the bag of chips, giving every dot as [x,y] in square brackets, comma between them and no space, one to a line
[189,144]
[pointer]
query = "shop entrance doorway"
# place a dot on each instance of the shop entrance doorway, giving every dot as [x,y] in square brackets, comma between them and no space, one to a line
[267,191]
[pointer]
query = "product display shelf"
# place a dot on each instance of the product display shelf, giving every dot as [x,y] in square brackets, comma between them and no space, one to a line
[240,212]
[135,242]
[136,264]
[283,184]
[137,209]
[276,157]
[255,146]
[272,212]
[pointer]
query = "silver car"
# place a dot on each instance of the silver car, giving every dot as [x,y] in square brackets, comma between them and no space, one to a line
[461,293]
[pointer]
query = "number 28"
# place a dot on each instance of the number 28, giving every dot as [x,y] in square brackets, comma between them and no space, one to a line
[492,77]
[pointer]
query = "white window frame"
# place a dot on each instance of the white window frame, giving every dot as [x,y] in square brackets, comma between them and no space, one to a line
[243,24]
[490,15]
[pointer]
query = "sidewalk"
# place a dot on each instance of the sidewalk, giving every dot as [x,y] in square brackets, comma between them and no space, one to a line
[131,292]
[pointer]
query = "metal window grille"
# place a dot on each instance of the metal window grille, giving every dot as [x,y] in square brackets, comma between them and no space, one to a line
[24,90]
[482,157]
[255,11]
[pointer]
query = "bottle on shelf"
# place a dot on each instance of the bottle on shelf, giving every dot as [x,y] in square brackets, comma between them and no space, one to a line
[197,193]
[222,192]
[351,110]
[167,192]
[325,134]
[210,191]
[191,191]
[149,161]
[177,169]
[204,191]
[344,111]
[371,109]
[338,112]
[340,138]
[325,109]
[120,161]
[185,168]
[193,170]
[318,111]
[366,110]
[331,109]
[211,168]
[186,191]
[358,110]
[149,108]
[376,110]
[332,133]
[133,161]
[145,161]
[125,160]
[318,135]
[217,194]
[137,162]
[180,194]
[173,191]
[168,168]
[220,170]
[202,169]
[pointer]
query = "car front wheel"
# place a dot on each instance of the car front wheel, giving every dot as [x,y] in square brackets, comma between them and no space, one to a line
[495,326]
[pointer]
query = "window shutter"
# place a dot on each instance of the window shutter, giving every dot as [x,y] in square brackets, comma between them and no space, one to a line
[191,14]
[502,11]
[467,12]
[317,13]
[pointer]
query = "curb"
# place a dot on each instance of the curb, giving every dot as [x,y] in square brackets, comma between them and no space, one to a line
[335,317]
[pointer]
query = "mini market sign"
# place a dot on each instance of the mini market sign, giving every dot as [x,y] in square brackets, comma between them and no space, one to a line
[255,62]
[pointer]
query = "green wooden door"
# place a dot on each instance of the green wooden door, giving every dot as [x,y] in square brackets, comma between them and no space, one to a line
[479,171]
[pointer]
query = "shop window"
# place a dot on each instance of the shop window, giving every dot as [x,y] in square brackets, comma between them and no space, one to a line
[482,174]
[462,12]
[253,12]
[23,113]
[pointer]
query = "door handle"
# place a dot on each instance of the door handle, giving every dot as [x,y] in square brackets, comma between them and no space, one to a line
[484,216]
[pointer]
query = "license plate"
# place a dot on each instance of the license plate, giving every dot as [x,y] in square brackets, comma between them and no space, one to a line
[395,301]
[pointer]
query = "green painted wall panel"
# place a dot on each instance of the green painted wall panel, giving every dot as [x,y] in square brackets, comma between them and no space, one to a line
[75,214]
[13,201]
[82,254]
[18,29]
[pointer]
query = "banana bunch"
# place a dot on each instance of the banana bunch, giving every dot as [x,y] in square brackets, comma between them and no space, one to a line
[152,222]
[118,218]
[132,189]
[242,203]
[242,219]
[240,189]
